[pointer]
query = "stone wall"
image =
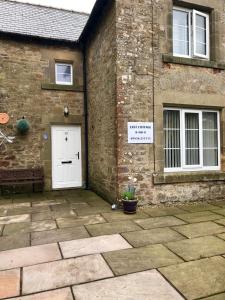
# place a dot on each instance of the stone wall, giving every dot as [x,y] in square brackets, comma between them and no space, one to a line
[24,67]
[145,84]
[101,86]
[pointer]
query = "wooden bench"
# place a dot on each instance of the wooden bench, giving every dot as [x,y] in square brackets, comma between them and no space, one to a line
[22,177]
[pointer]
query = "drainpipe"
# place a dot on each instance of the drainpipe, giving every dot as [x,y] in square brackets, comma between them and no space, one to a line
[85,116]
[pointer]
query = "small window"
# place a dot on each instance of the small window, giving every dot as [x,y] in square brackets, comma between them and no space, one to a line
[191,140]
[190,33]
[64,74]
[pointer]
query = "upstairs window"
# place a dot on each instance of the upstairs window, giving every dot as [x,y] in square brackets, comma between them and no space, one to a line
[190,33]
[64,74]
[191,140]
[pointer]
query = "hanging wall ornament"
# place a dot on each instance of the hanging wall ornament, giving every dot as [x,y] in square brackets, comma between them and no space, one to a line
[23,126]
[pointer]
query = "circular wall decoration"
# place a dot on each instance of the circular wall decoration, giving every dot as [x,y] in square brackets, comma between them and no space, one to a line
[23,126]
[4,118]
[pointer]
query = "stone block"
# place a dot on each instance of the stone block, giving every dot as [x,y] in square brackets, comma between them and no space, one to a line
[61,294]
[79,221]
[9,283]
[159,222]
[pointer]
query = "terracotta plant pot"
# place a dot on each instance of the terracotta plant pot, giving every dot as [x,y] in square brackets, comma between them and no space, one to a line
[130,206]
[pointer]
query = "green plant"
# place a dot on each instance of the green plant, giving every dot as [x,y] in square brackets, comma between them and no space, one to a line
[129,194]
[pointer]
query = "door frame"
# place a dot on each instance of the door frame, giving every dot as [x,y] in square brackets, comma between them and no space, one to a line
[52,161]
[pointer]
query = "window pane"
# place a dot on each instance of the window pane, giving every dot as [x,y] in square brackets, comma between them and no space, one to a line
[201,34]
[172,149]
[63,73]
[192,151]
[210,139]
[180,32]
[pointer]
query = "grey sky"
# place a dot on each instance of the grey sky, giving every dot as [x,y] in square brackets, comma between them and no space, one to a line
[77,5]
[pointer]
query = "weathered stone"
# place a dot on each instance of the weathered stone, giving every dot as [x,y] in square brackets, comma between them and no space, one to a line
[153,236]
[64,273]
[199,216]
[92,210]
[193,249]
[58,235]
[199,207]
[197,279]
[93,245]
[120,216]
[61,294]
[145,285]
[14,241]
[217,297]
[199,229]
[29,227]
[9,283]
[79,221]
[168,211]
[28,256]
[112,228]
[140,259]
[14,219]
[159,222]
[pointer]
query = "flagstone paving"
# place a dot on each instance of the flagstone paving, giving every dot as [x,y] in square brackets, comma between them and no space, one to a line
[152,236]
[71,245]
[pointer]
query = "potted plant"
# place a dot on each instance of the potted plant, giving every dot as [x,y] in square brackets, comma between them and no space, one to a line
[129,200]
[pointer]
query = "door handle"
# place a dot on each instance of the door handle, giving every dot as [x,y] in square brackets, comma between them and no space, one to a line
[67,162]
[78,155]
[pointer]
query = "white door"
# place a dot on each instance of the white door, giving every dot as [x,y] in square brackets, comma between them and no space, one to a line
[66,157]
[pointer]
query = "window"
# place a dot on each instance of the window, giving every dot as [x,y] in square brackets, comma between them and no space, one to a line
[191,140]
[64,74]
[190,33]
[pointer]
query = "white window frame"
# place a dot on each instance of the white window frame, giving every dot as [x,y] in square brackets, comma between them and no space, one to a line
[206,16]
[192,13]
[200,167]
[63,82]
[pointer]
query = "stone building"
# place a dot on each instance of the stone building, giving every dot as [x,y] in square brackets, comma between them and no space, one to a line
[148,94]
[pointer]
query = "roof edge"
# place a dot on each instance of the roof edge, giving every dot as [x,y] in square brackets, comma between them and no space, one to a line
[98,7]
[49,7]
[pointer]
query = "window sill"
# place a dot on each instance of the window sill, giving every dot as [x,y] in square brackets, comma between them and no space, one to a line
[192,62]
[171,178]
[61,87]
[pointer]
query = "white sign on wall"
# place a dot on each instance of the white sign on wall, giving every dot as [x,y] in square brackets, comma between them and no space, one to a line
[140,133]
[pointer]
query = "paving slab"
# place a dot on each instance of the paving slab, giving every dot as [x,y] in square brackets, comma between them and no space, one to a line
[163,211]
[14,205]
[199,229]
[112,228]
[92,210]
[199,207]
[200,216]
[64,273]
[216,297]
[79,221]
[14,241]
[220,211]
[93,245]
[14,219]
[220,221]
[221,236]
[26,210]
[79,205]
[22,257]
[58,235]
[29,227]
[61,294]
[219,203]
[41,216]
[152,236]
[140,259]
[193,249]
[139,286]
[48,202]
[1,228]
[9,283]
[198,279]
[159,222]
[120,216]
